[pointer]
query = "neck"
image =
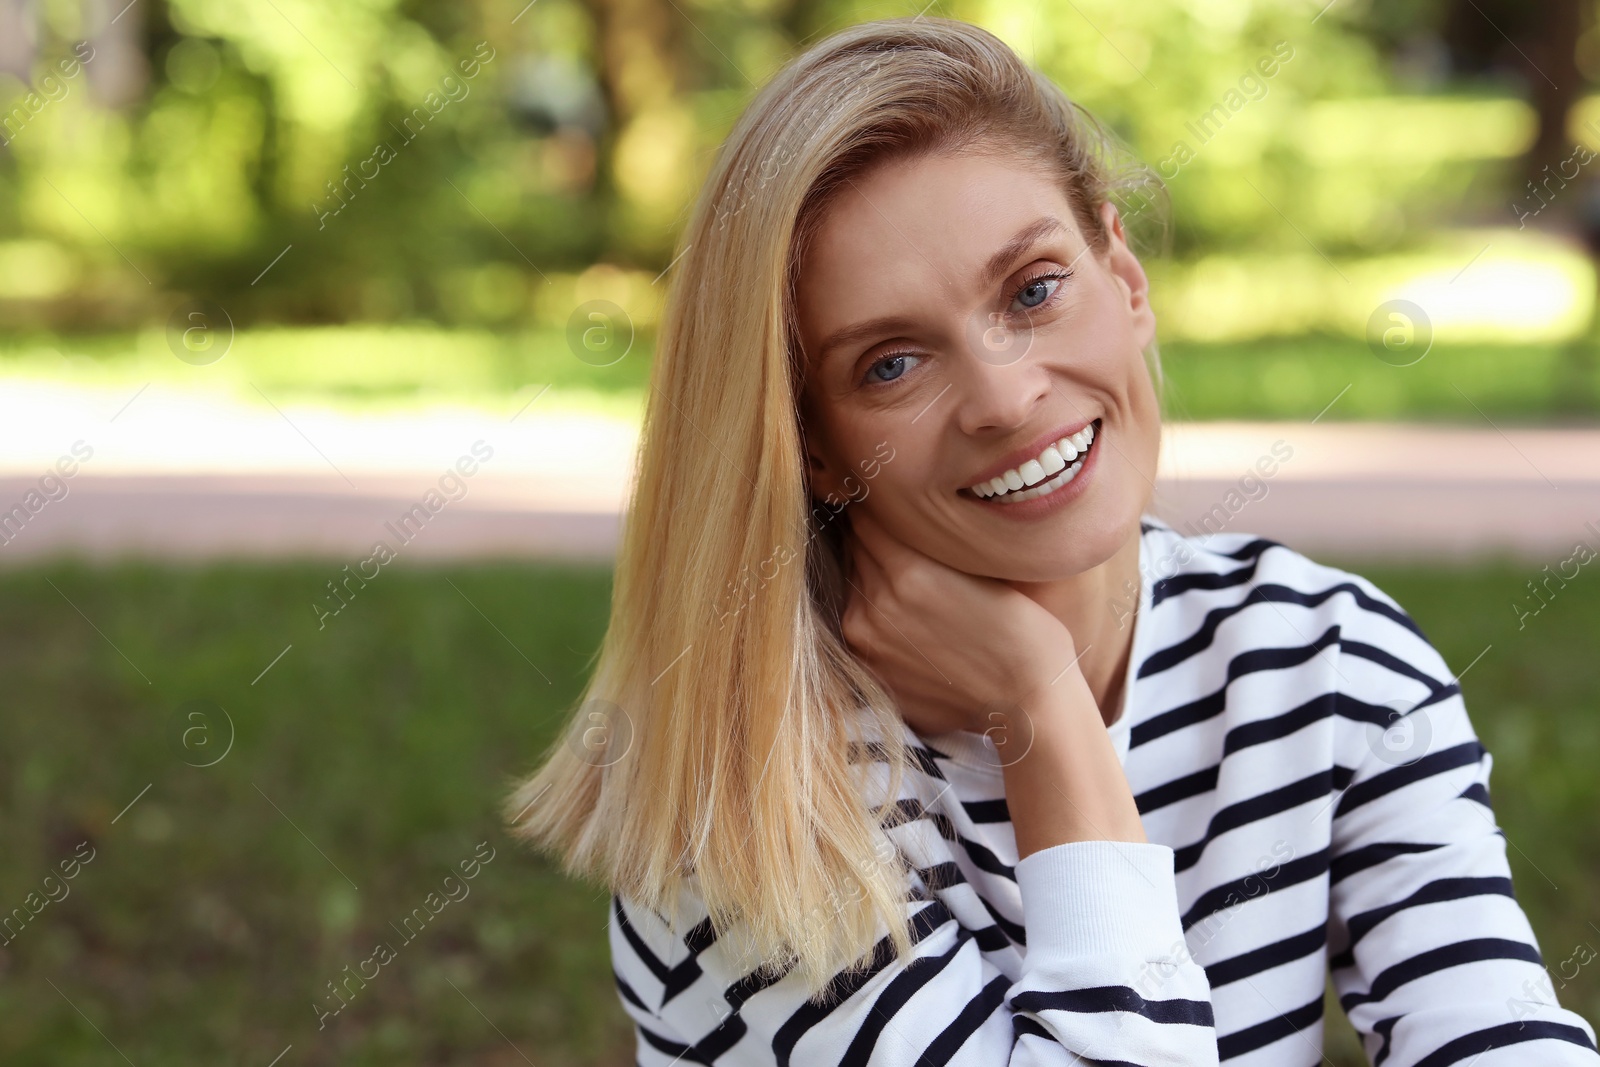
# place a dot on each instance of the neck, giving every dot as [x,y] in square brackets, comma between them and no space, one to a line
[1097,607]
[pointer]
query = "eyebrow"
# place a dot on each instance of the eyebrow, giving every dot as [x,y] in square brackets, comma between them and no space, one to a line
[993,270]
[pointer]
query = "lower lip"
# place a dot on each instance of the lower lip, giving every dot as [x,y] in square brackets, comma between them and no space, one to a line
[1040,506]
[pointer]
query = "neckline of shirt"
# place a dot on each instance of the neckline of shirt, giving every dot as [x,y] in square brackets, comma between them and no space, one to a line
[976,751]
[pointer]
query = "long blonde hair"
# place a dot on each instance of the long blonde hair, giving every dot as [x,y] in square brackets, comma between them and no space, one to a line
[719,739]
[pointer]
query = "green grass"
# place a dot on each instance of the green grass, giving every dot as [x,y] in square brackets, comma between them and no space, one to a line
[1299,377]
[400,366]
[208,922]
[207,925]
[353,367]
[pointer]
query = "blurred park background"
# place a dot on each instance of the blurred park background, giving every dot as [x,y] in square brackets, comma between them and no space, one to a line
[270,271]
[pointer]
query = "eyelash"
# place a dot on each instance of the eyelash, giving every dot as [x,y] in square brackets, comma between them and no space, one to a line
[1062,275]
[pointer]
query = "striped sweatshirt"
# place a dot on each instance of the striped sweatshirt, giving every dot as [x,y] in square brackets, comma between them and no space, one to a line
[1315,800]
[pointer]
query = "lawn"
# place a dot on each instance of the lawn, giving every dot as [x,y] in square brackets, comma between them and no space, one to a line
[366,766]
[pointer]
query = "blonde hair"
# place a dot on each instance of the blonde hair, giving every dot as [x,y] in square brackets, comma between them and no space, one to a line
[722,746]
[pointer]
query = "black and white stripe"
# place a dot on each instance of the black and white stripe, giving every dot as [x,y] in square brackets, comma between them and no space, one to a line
[1287,839]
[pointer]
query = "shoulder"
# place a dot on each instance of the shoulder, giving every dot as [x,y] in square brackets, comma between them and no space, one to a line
[1237,562]
[1283,592]
[1262,607]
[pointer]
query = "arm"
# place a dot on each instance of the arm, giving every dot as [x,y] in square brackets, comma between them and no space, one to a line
[1101,919]
[1432,957]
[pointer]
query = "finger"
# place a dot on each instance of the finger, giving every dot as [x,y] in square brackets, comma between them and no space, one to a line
[859,615]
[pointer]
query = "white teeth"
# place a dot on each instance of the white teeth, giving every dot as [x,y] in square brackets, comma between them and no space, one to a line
[1048,487]
[1058,463]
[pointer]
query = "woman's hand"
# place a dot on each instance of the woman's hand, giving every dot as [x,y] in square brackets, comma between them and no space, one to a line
[956,651]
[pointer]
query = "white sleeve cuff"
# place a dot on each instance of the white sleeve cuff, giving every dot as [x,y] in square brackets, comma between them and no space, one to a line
[1101,898]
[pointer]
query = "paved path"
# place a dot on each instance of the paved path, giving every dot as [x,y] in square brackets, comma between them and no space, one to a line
[193,476]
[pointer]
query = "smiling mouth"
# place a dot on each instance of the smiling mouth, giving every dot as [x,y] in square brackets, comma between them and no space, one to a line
[1052,469]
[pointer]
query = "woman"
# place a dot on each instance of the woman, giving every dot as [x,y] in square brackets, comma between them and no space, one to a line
[914,737]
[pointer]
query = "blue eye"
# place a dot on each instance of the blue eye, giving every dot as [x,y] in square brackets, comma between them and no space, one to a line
[1035,288]
[893,363]
[1035,293]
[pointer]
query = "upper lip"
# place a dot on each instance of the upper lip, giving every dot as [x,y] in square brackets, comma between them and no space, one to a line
[1022,455]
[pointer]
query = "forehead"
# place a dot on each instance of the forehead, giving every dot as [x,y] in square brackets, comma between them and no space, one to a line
[911,236]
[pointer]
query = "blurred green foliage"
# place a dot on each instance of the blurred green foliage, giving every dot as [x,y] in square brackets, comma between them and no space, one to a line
[380,160]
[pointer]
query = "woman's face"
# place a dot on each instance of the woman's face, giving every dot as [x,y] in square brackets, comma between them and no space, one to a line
[980,328]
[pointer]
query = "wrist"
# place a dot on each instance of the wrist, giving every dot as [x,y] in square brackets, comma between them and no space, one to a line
[1064,782]
[1060,700]
[1044,717]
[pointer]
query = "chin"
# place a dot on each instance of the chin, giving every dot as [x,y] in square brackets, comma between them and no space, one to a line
[1068,551]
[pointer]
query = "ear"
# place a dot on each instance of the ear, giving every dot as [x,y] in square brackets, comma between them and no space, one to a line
[823,481]
[1129,274]
[818,470]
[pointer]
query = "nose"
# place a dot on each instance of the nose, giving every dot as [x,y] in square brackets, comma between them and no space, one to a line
[994,396]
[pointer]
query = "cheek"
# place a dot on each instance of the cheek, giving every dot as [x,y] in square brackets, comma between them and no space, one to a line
[854,470]
[899,485]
